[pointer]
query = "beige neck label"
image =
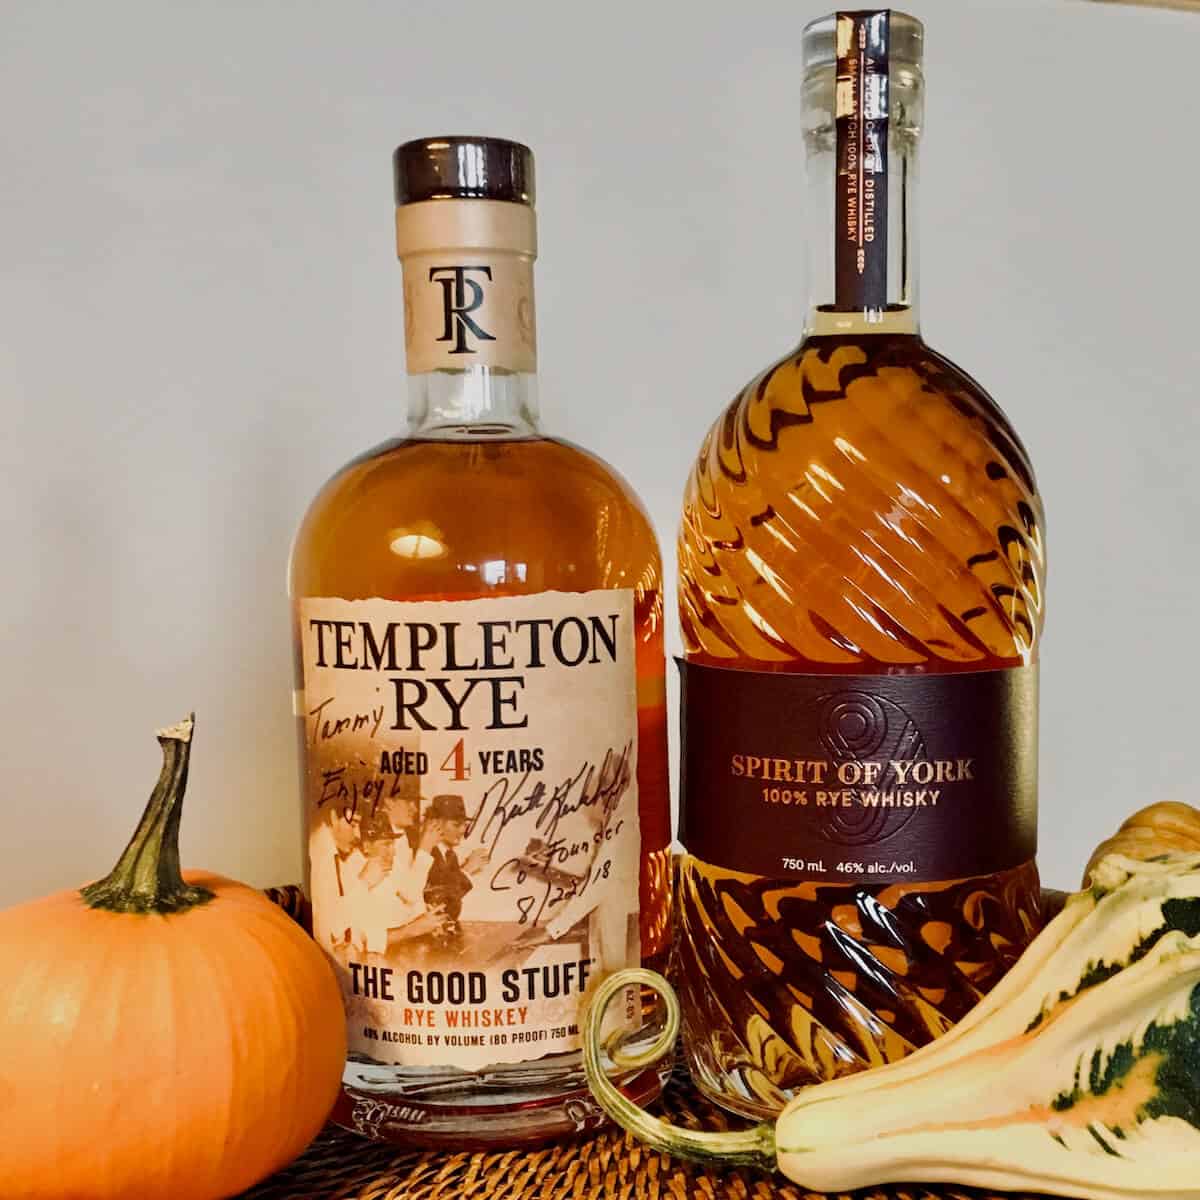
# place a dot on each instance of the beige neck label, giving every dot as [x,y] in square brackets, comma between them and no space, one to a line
[465,308]
[472,801]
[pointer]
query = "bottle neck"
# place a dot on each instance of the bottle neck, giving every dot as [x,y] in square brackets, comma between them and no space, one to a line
[473,402]
[861,140]
[470,329]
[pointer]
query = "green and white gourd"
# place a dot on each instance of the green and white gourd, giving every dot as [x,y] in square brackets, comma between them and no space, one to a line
[1078,1075]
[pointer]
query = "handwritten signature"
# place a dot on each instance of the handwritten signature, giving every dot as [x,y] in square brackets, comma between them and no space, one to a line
[551,859]
[591,787]
[339,785]
[326,728]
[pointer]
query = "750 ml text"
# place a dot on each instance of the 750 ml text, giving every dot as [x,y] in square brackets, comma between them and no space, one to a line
[816,866]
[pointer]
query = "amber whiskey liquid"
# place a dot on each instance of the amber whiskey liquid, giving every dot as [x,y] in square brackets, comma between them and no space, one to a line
[861,568]
[479,647]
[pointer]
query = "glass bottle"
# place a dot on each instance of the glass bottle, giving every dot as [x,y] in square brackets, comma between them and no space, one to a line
[861,567]
[479,657]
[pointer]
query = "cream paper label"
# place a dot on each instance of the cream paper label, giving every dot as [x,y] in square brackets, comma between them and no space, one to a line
[467,308]
[471,779]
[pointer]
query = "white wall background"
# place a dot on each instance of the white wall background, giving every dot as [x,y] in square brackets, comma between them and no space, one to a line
[200,318]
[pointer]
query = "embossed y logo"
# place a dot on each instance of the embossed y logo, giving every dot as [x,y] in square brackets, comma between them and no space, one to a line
[461,296]
[856,727]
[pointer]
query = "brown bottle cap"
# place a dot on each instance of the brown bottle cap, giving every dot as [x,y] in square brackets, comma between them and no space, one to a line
[463,168]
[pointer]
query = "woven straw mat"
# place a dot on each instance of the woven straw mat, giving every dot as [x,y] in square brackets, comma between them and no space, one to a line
[344,1166]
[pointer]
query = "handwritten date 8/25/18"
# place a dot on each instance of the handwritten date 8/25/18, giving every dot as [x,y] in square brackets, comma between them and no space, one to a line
[533,908]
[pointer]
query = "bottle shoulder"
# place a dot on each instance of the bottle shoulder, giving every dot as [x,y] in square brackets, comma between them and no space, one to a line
[531,472]
[531,512]
[899,379]
[945,377]
[863,502]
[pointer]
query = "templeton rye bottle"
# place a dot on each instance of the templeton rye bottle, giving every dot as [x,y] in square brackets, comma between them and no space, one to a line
[479,654]
[861,570]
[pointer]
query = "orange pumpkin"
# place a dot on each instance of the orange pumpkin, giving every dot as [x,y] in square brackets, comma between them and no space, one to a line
[162,1034]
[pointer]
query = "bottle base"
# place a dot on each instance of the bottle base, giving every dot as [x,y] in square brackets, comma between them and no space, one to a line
[853,975]
[505,1109]
[746,1107]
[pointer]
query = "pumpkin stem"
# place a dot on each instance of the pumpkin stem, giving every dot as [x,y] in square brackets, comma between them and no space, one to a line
[147,877]
[749,1147]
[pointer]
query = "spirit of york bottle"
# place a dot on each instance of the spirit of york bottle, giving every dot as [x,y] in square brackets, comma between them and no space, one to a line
[861,569]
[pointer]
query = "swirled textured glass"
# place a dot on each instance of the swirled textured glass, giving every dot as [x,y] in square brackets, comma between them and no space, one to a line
[862,507]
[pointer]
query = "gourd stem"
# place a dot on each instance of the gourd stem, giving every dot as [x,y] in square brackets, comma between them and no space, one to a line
[148,877]
[750,1147]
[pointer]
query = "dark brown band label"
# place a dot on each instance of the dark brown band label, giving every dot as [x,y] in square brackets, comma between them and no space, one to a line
[863,778]
[861,245]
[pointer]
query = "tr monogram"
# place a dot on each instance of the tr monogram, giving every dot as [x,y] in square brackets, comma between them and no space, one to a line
[461,296]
